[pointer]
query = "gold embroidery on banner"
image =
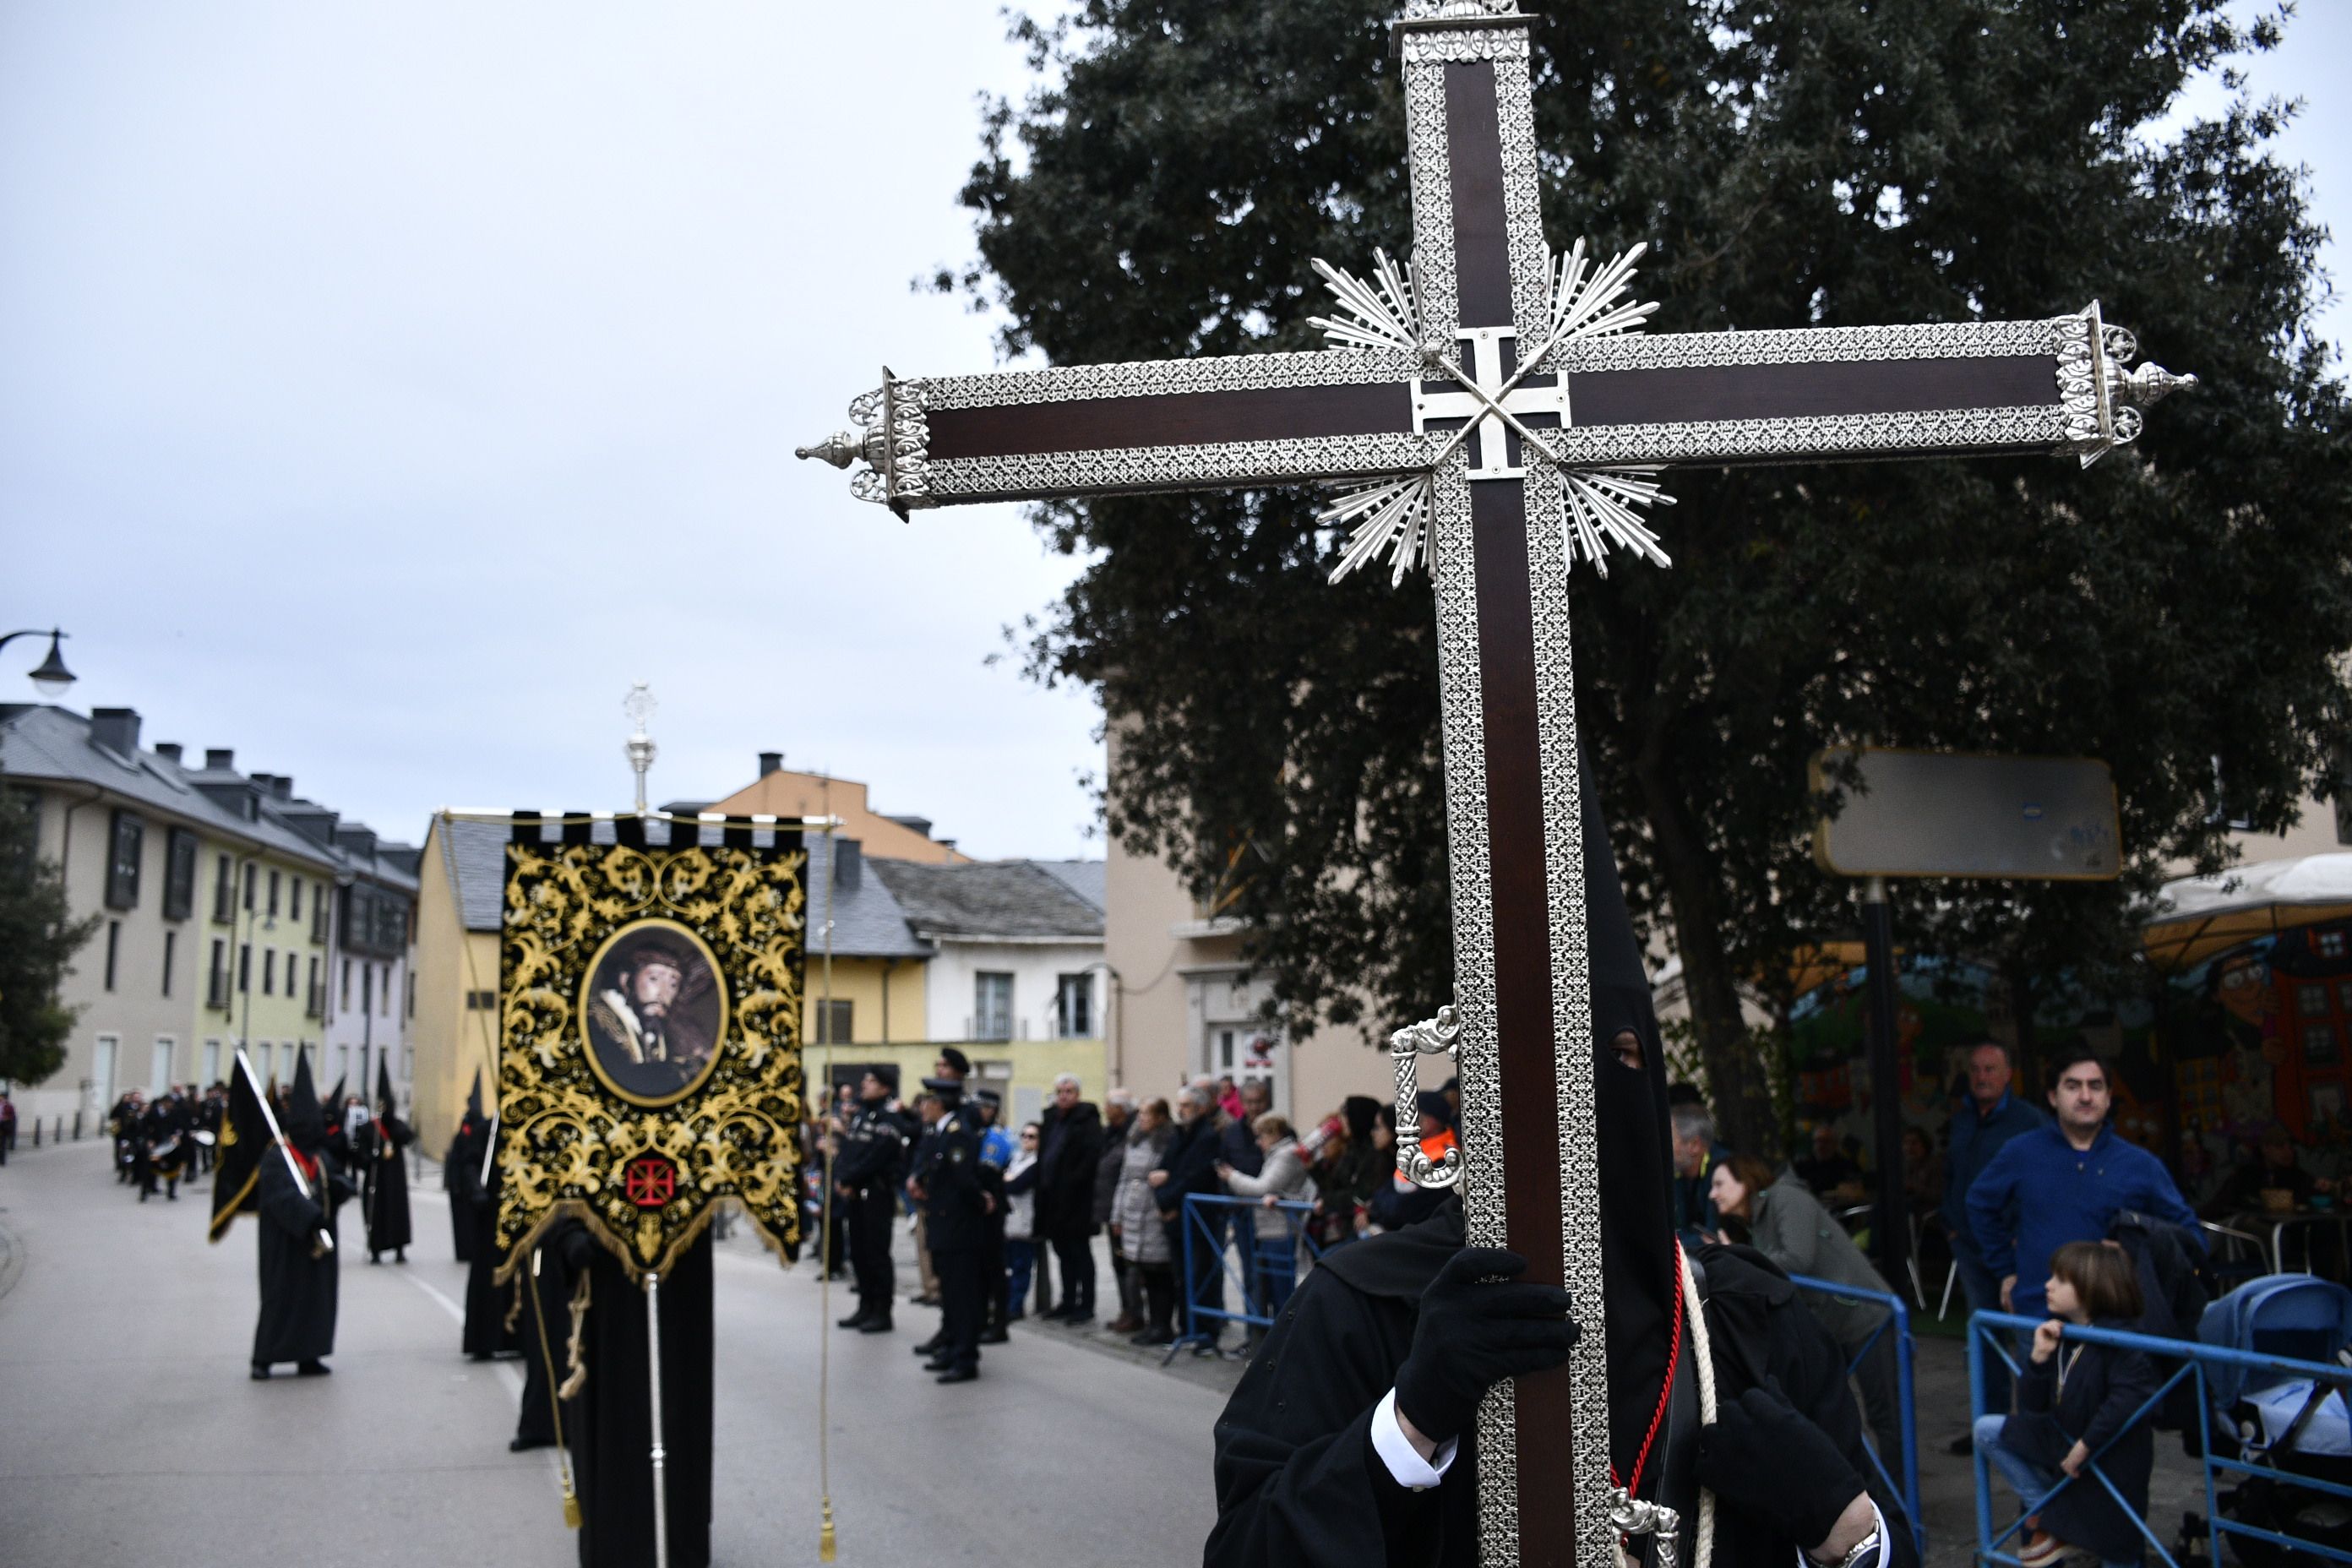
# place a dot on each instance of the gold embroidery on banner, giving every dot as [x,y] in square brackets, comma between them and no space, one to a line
[567,1129]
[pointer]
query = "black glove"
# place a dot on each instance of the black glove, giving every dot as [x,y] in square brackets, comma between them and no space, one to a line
[1476,1329]
[1764,1458]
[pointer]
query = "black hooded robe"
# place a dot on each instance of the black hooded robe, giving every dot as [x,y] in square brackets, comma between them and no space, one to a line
[298,1290]
[461,1179]
[546,1329]
[385,1195]
[610,1425]
[493,1326]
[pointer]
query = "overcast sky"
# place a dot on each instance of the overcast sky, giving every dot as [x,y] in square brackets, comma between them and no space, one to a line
[384,387]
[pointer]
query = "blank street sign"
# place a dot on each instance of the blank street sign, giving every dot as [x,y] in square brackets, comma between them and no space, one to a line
[1941,813]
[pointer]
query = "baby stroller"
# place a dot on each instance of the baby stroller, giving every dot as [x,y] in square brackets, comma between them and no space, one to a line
[2278,1420]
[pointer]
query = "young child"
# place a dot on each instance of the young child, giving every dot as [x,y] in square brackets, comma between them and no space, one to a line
[2073,1399]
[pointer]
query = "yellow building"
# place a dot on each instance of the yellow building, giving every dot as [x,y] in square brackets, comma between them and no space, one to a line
[455,1029]
[781,792]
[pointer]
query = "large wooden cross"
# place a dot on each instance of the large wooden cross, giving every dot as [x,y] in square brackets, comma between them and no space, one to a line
[1502,419]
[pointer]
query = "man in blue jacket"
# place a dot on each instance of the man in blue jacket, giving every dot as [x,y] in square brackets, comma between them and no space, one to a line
[2063,1183]
[1983,1125]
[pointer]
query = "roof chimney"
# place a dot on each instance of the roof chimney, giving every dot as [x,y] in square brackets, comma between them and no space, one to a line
[353,838]
[169,750]
[848,864]
[116,729]
[281,785]
[771,762]
[219,760]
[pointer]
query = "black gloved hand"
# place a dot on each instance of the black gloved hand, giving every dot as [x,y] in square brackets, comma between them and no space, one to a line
[1767,1458]
[1474,1330]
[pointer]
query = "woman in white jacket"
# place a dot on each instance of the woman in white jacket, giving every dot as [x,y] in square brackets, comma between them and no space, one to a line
[1282,1177]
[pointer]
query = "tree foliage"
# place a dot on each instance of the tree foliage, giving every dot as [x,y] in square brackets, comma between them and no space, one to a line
[38,938]
[2176,609]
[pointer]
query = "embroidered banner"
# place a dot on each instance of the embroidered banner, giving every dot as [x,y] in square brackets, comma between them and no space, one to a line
[650,1000]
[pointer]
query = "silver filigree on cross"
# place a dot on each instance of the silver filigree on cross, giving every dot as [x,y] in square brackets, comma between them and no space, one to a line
[2101,400]
[1391,518]
[1441,1036]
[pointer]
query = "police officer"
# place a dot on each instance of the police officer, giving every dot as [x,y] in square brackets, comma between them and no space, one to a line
[947,1181]
[866,1177]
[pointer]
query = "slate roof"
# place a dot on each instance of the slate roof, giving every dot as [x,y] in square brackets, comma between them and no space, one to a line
[1007,900]
[867,921]
[1084,877]
[39,742]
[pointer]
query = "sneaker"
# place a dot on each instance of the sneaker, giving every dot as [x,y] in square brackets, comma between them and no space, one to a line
[2044,1551]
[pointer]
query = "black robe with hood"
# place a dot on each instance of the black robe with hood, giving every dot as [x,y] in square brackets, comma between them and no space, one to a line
[384,1191]
[1298,1482]
[493,1324]
[298,1289]
[461,1172]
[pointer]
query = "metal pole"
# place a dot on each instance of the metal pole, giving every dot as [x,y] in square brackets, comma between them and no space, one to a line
[326,1239]
[1885,1080]
[653,1359]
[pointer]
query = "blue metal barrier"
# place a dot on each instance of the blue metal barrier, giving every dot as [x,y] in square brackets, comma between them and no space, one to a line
[1201,1229]
[1986,1332]
[1898,1320]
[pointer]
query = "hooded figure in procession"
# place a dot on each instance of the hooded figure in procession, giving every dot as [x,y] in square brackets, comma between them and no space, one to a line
[297,1240]
[1351,1438]
[493,1321]
[380,1142]
[461,1171]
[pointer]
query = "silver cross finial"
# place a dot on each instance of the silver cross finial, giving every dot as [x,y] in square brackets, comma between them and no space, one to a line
[639,706]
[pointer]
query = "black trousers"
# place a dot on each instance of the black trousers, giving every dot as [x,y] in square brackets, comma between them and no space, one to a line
[1077,1256]
[869,1251]
[963,1303]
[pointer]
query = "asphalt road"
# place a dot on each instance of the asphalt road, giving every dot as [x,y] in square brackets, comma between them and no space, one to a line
[130,1433]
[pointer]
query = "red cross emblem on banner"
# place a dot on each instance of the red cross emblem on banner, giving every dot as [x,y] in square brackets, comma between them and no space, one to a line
[649,1181]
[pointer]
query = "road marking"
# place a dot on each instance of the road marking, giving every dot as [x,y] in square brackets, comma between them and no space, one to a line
[506,1369]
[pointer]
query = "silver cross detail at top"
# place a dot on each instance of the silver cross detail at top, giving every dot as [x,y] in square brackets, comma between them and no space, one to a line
[1494,413]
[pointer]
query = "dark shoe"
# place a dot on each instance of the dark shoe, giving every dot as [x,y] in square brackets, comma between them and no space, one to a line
[1963,1445]
[938,1363]
[996,1337]
[375,1257]
[854,1320]
[932,1346]
[924,1300]
[260,1373]
[312,1369]
[874,1326]
[400,1255]
[958,1374]
[1125,1323]
[1154,1337]
[1077,1320]
[524,1445]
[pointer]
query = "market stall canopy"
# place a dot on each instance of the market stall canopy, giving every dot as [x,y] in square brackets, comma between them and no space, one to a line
[2197,917]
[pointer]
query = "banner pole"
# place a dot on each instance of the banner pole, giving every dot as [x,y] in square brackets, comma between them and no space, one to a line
[653,1357]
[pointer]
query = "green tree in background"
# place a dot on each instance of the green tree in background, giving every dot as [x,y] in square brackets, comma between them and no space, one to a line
[37,940]
[2176,609]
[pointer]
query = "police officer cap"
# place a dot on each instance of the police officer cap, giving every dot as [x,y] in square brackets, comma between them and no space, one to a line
[944,1085]
[988,1097]
[886,1075]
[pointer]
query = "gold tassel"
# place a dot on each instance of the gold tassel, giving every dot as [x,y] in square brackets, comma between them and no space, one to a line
[825,1535]
[571,1504]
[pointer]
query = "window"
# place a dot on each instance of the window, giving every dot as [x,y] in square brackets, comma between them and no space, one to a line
[113,950]
[250,874]
[2319,1044]
[273,895]
[244,966]
[412,993]
[834,1022]
[383,991]
[101,1082]
[2311,1000]
[223,892]
[295,912]
[314,994]
[212,1063]
[991,1007]
[128,846]
[269,972]
[2330,943]
[216,980]
[171,942]
[482,1001]
[1074,1006]
[179,875]
[375,922]
[345,1004]
[367,988]
[159,1066]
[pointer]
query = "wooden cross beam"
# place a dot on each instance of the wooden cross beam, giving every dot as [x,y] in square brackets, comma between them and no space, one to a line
[1504,419]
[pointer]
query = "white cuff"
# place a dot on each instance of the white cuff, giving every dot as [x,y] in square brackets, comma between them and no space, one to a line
[1405,1464]
[1885,1541]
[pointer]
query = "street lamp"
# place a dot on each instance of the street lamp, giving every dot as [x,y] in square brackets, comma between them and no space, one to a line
[52,677]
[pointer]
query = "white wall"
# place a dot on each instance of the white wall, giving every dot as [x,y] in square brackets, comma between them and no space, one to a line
[950,988]
[375,1015]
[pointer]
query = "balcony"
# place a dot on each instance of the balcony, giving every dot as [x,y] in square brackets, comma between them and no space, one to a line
[316,1005]
[217,991]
